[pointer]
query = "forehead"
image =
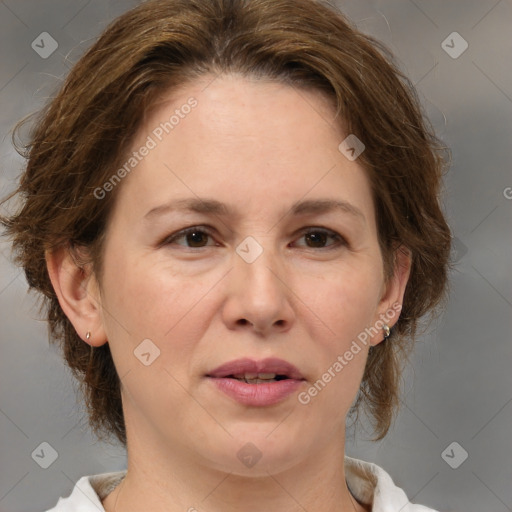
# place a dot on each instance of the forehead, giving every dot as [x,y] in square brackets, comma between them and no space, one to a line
[245,142]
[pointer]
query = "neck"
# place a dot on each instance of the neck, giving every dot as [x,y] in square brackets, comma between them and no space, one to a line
[175,483]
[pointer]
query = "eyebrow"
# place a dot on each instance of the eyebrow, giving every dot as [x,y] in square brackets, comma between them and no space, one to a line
[214,207]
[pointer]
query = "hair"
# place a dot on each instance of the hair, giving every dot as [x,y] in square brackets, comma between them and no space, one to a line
[85,132]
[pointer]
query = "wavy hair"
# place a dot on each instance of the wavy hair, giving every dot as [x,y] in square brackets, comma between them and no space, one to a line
[85,130]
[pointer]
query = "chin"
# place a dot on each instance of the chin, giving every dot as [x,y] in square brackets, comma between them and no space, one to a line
[256,450]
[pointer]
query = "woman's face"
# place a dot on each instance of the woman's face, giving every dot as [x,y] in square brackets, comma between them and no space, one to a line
[269,271]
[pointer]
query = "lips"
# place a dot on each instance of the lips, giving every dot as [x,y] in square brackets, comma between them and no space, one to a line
[257,369]
[257,383]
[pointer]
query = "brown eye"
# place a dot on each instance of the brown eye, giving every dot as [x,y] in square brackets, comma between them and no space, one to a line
[318,238]
[194,237]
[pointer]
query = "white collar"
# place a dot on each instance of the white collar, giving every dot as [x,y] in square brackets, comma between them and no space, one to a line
[368,483]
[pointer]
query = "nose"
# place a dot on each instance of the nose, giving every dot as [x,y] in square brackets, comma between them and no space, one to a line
[258,296]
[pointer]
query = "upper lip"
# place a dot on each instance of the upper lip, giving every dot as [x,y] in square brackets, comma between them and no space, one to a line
[246,365]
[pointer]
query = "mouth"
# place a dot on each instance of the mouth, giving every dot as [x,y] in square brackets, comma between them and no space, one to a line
[257,383]
[258,378]
[257,372]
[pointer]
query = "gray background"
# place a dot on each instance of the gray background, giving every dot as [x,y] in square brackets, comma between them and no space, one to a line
[458,388]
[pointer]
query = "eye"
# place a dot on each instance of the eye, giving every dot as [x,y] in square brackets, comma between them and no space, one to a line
[196,236]
[318,237]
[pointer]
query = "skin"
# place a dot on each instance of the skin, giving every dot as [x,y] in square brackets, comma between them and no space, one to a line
[258,147]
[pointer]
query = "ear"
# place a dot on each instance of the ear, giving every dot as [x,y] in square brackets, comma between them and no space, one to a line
[78,294]
[391,301]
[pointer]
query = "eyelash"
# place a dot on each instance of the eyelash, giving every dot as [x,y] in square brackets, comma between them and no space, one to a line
[341,241]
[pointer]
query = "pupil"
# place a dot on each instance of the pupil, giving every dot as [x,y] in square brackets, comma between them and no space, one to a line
[317,238]
[197,235]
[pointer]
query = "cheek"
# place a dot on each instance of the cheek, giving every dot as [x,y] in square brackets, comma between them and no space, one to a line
[149,299]
[345,300]
[346,307]
[142,302]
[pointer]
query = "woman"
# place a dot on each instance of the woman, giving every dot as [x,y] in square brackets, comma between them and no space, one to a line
[231,209]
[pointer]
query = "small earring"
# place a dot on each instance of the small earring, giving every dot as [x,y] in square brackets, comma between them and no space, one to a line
[88,335]
[387,331]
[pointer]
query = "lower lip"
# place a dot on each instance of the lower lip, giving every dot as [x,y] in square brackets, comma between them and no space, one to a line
[257,394]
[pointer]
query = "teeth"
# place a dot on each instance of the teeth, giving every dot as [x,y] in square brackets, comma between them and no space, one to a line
[266,376]
[255,376]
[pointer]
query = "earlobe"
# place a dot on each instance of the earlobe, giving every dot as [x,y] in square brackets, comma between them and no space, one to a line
[78,294]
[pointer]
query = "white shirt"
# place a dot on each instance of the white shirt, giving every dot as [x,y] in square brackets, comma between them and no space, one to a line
[367,482]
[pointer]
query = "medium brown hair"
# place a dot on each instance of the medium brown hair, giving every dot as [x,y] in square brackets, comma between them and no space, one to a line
[82,135]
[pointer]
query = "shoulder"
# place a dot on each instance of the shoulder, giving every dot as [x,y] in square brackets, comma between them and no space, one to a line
[88,493]
[370,484]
